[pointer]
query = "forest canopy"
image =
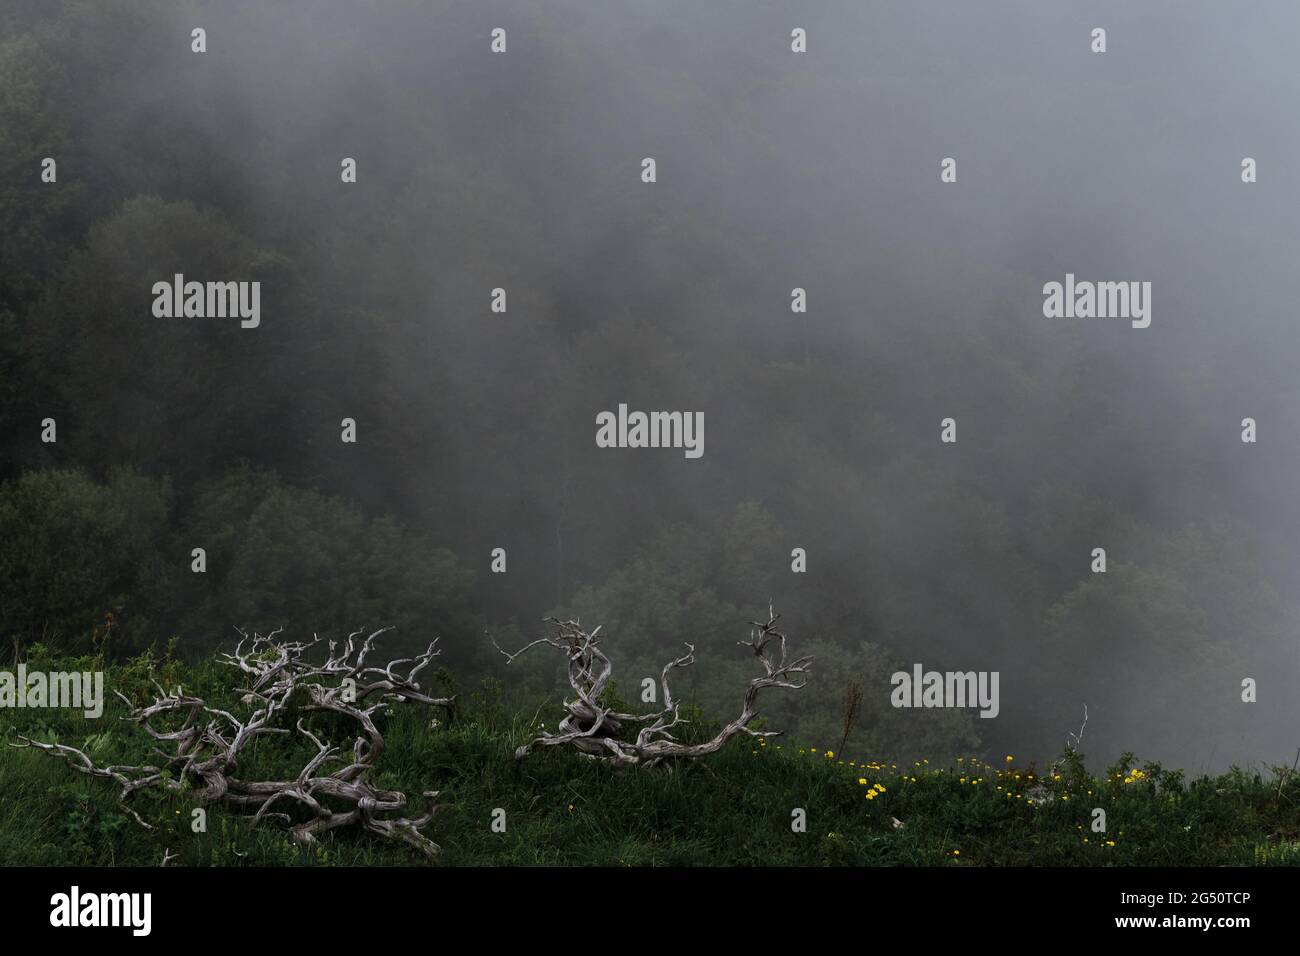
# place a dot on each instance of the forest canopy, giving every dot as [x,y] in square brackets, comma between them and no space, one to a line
[475,429]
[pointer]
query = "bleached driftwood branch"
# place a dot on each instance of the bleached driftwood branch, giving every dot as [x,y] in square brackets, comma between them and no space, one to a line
[595,730]
[203,752]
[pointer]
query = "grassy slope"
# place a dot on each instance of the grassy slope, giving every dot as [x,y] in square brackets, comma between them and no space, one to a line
[732,809]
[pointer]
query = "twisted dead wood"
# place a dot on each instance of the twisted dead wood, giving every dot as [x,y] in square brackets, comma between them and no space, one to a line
[594,729]
[204,750]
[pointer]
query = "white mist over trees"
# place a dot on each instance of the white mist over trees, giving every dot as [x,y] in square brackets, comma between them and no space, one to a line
[521,171]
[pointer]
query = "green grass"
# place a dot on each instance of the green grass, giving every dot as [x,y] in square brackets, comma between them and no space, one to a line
[734,809]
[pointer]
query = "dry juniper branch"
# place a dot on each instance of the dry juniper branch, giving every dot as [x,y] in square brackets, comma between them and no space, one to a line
[204,751]
[593,729]
[852,703]
[1072,744]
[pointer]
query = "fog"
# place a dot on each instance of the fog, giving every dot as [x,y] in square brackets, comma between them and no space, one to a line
[775,170]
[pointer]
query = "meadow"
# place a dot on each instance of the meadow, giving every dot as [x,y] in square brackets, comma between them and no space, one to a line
[741,807]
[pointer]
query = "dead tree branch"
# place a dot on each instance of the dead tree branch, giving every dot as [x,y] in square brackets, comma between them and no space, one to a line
[597,731]
[201,750]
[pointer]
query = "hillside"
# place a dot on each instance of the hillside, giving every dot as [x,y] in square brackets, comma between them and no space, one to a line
[733,809]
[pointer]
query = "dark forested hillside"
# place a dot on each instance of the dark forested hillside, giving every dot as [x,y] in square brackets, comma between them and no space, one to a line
[475,428]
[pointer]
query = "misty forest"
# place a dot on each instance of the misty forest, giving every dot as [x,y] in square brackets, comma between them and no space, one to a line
[393,480]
